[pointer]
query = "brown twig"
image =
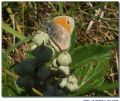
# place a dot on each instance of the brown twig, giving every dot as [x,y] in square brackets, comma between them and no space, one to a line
[112,77]
[92,21]
[116,57]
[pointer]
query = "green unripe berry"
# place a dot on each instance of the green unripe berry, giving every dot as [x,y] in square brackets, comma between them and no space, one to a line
[40,38]
[65,70]
[33,46]
[72,87]
[64,59]
[72,78]
[55,63]
[63,82]
[72,83]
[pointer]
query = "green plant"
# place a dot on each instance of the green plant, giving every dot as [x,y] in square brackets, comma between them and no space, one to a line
[90,64]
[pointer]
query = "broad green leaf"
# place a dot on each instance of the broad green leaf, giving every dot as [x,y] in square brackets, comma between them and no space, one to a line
[107,86]
[82,55]
[90,88]
[91,76]
[92,65]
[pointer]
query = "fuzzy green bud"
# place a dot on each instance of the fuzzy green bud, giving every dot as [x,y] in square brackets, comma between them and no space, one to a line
[40,38]
[63,82]
[64,59]
[64,70]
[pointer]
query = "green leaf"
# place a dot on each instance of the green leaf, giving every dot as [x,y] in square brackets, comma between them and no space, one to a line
[90,64]
[6,27]
[107,86]
[73,41]
[91,76]
[93,52]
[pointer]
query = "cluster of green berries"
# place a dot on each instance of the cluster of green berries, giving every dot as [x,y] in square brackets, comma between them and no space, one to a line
[53,79]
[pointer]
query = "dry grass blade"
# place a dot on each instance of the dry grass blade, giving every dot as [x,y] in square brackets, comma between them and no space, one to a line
[37,92]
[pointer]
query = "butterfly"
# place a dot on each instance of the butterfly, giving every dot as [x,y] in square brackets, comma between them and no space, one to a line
[59,30]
